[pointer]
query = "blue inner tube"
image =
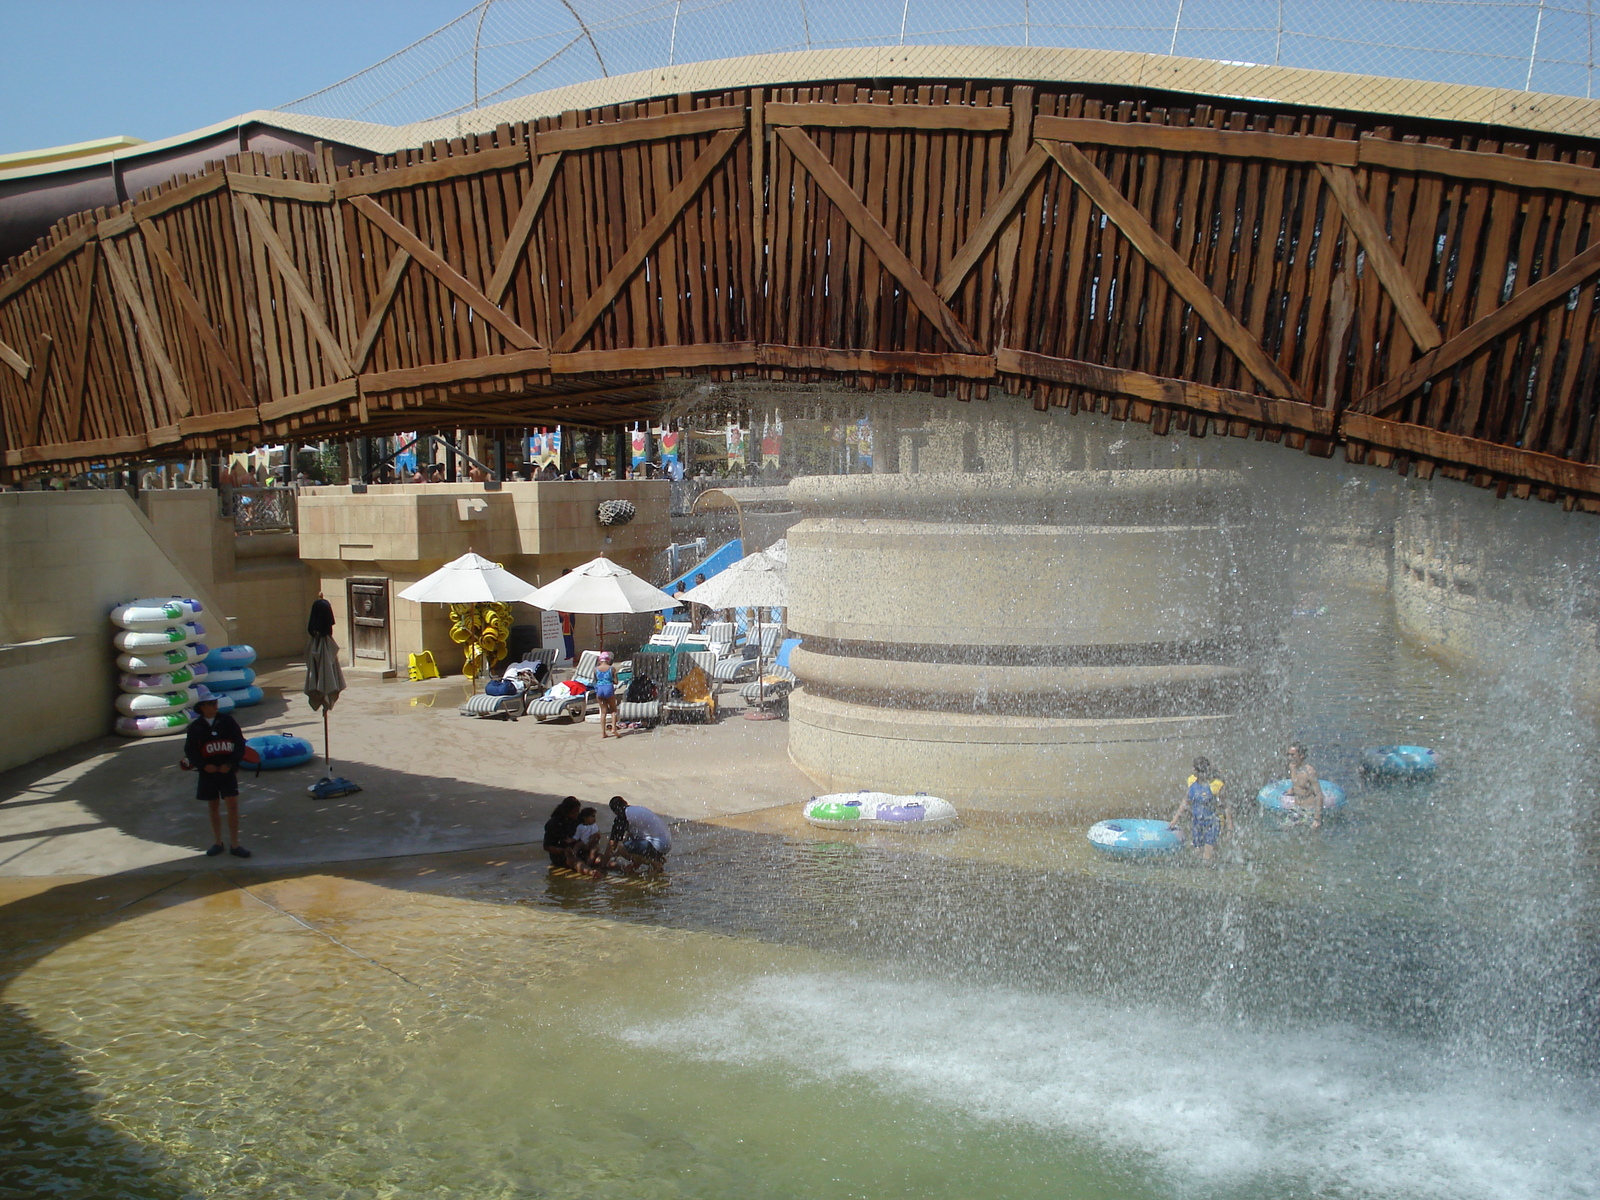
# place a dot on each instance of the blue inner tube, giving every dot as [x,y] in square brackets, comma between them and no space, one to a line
[280,750]
[1400,762]
[241,697]
[1129,837]
[1271,798]
[229,678]
[226,657]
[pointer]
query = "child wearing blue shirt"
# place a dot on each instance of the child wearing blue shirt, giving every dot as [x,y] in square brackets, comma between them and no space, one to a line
[1209,817]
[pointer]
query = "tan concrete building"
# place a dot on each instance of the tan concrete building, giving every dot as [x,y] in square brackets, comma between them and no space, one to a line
[364,548]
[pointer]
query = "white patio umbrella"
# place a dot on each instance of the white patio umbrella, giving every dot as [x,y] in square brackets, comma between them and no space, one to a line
[470,579]
[599,586]
[759,580]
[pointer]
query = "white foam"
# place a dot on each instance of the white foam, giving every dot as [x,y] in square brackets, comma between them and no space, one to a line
[1212,1109]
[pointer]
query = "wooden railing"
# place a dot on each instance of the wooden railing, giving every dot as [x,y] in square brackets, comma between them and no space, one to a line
[1420,295]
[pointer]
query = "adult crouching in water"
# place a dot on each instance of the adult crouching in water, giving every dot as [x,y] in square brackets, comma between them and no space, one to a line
[639,837]
[214,746]
[561,834]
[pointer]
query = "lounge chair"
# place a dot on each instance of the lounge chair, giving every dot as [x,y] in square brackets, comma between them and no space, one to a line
[696,698]
[513,706]
[771,690]
[575,707]
[672,633]
[651,665]
[738,669]
[719,636]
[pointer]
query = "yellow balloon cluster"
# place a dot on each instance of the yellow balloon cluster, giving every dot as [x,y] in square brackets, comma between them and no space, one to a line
[484,629]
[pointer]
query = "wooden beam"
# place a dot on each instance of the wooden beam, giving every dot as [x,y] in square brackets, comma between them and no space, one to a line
[322,397]
[82,332]
[429,260]
[967,117]
[1381,254]
[544,171]
[878,239]
[280,189]
[653,358]
[1547,291]
[149,332]
[1180,393]
[497,159]
[1193,139]
[641,129]
[644,242]
[294,285]
[176,197]
[881,362]
[380,308]
[14,360]
[521,362]
[1172,267]
[1504,169]
[46,260]
[1405,438]
[43,353]
[190,306]
[983,234]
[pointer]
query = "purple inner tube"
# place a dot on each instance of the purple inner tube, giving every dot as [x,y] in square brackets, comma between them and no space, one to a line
[901,812]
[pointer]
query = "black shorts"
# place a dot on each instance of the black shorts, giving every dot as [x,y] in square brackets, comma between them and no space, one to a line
[214,785]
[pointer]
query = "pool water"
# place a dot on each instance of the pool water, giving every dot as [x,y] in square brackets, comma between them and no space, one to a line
[1404,1007]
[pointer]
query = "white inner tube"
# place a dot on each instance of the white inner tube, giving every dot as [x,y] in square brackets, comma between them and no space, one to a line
[156,704]
[149,639]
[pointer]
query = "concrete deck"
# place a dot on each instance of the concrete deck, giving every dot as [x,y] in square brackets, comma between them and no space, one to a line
[432,781]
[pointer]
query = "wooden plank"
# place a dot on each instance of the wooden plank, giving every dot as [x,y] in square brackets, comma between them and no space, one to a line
[429,260]
[117,225]
[47,261]
[994,219]
[14,360]
[380,308]
[877,238]
[883,362]
[149,332]
[521,362]
[1473,164]
[334,393]
[190,306]
[279,189]
[653,358]
[1548,290]
[82,332]
[1549,469]
[294,285]
[1177,272]
[177,197]
[642,129]
[654,230]
[78,451]
[499,158]
[517,236]
[1180,139]
[228,418]
[965,117]
[757,274]
[1159,389]
[1381,254]
[43,354]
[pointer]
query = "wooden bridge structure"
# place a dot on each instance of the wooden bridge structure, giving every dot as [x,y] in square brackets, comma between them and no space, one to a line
[1415,292]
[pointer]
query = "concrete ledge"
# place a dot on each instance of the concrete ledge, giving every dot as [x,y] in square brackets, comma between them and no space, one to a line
[17,654]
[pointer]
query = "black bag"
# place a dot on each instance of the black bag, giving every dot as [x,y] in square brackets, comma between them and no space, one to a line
[641,690]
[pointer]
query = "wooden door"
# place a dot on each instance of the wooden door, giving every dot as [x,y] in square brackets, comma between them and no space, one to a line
[369,619]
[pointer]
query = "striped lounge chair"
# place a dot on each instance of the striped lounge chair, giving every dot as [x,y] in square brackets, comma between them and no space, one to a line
[697,692]
[509,707]
[647,664]
[577,707]
[771,691]
[738,669]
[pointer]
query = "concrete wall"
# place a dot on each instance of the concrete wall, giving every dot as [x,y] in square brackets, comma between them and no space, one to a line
[404,532]
[66,560]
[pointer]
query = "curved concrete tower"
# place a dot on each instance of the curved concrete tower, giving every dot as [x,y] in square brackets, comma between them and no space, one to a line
[1054,645]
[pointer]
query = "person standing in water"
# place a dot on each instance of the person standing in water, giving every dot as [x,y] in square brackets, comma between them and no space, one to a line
[1209,817]
[1305,789]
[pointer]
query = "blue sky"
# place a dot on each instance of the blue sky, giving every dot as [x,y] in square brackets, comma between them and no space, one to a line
[80,69]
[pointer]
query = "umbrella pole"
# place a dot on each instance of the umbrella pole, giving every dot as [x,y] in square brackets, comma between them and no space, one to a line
[327,754]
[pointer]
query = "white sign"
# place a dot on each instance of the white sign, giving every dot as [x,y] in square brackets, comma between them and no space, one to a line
[550,634]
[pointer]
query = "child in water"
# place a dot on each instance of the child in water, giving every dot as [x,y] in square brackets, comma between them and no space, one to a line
[1208,816]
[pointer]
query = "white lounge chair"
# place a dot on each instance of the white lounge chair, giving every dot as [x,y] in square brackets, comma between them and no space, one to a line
[574,707]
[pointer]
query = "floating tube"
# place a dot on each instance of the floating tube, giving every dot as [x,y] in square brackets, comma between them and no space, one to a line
[1134,838]
[153,726]
[1271,799]
[156,613]
[879,810]
[229,679]
[241,697]
[225,658]
[1399,762]
[188,676]
[172,635]
[157,704]
[159,662]
[280,750]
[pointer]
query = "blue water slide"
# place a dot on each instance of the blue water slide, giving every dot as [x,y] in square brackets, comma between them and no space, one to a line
[720,559]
